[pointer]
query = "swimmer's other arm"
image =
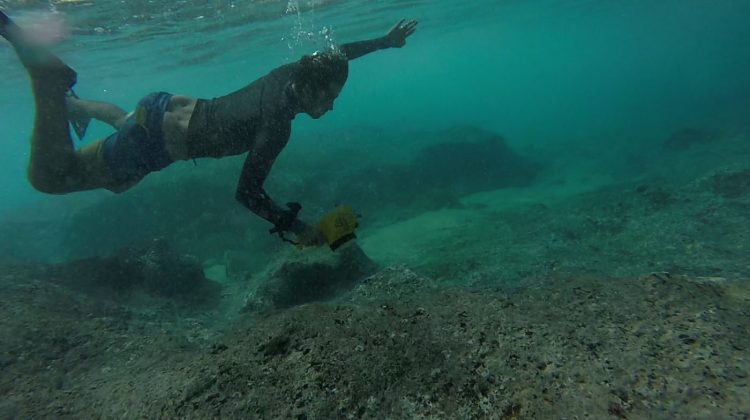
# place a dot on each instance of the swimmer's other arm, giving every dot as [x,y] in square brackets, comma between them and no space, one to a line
[395,38]
[255,170]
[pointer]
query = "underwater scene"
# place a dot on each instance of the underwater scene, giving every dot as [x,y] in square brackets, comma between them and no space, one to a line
[323,209]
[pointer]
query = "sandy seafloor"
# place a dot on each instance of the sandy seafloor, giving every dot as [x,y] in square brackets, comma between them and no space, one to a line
[564,236]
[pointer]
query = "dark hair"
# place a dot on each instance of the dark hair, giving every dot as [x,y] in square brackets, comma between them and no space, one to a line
[320,69]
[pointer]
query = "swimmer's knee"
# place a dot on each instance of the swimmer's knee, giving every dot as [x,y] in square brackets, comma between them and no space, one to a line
[47,181]
[84,170]
[42,182]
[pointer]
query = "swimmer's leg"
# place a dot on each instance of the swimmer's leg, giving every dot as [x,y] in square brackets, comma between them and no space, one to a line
[54,166]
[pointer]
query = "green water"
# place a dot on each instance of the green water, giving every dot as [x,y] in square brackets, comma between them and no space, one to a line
[547,75]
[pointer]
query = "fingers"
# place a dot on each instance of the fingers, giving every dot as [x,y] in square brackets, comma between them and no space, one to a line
[397,26]
[400,31]
[407,28]
[410,27]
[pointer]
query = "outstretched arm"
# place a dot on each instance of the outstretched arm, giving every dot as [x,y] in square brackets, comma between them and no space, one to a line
[395,38]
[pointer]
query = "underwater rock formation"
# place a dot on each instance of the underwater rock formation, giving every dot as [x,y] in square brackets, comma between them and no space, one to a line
[660,346]
[471,160]
[152,268]
[312,277]
[453,164]
[688,137]
[394,346]
[731,184]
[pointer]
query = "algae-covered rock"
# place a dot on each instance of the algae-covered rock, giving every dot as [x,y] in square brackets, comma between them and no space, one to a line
[152,268]
[312,276]
[658,346]
[394,346]
[731,184]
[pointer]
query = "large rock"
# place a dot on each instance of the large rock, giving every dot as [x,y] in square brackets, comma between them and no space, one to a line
[454,163]
[660,346]
[312,276]
[731,184]
[152,268]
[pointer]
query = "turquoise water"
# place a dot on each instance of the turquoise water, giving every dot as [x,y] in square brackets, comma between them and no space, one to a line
[548,73]
[554,201]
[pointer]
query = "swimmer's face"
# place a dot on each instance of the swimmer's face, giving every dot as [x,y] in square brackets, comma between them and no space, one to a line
[317,102]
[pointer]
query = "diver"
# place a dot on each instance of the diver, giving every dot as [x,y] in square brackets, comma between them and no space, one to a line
[165,128]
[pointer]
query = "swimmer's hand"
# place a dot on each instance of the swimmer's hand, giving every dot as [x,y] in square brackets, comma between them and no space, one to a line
[396,37]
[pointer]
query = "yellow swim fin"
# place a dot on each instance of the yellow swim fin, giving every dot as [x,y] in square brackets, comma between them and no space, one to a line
[338,226]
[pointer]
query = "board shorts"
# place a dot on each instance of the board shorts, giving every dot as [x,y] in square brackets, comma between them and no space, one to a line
[138,147]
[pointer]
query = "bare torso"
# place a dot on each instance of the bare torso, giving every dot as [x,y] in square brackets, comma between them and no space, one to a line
[175,125]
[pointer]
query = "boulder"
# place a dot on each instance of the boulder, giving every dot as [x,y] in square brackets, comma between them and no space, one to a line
[317,275]
[152,268]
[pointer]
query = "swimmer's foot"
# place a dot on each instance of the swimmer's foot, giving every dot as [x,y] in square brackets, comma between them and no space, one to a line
[76,114]
[42,65]
[4,23]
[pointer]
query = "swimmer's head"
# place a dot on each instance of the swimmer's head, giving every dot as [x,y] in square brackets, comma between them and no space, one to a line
[319,80]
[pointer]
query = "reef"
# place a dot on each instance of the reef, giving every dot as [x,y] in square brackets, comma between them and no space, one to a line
[151,269]
[625,299]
